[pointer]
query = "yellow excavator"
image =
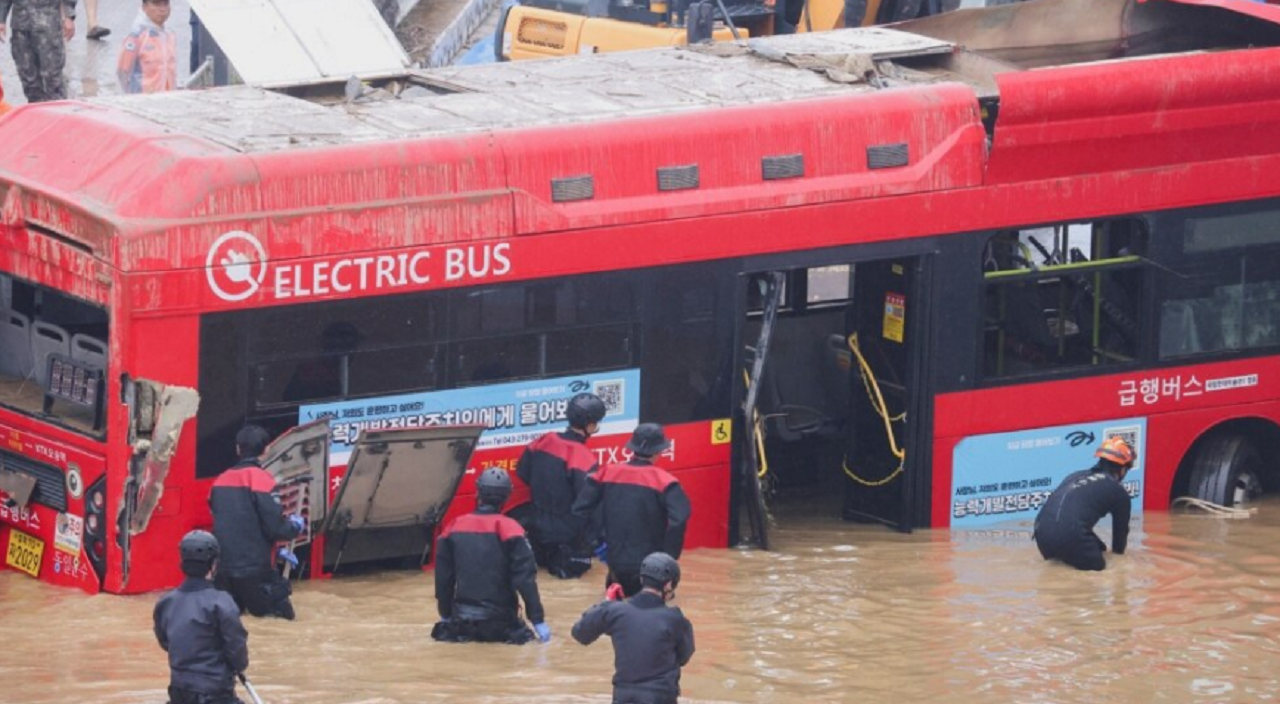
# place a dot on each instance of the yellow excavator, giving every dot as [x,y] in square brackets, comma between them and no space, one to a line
[536,29]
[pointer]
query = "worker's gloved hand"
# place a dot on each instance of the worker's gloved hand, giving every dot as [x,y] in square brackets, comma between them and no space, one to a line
[298,522]
[286,555]
[614,593]
[602,552]
[543,631]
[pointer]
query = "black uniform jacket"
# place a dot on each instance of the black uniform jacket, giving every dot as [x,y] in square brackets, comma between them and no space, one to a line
[482,561]
[650,644]
[247,519]
[644,511]
[199,626]
[1079,502]
[555,467]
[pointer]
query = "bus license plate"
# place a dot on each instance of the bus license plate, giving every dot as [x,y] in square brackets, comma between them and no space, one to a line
[25,553]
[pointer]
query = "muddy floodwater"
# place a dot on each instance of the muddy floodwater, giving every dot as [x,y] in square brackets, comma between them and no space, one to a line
[838,613]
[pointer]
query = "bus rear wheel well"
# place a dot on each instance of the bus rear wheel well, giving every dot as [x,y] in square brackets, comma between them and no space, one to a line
[1233,441]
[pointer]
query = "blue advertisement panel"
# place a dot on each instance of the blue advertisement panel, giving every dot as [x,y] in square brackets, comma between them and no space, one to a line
[1008,476]
[515,412]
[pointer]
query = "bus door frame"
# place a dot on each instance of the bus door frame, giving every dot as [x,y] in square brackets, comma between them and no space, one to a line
[914,509]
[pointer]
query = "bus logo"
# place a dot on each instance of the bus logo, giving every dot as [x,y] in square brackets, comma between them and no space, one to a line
[236,266]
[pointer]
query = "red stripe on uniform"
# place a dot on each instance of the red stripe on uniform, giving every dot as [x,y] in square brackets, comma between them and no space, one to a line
[251,478]
[575,455]
[506,528]
[636,475]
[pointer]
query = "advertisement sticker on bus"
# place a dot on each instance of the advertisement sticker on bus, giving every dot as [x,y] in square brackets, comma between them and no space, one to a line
[1008,476]
[515,412]
[67,535]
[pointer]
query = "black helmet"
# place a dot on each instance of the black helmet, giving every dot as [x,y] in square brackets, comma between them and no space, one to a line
[583,410]
[659,568]
[493,486]
[648,440]
[199,545]
[251,440]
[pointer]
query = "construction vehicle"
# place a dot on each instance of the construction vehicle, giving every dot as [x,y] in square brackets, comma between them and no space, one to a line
[536,29]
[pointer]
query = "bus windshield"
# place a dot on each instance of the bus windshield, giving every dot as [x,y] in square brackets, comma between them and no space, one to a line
[53,355]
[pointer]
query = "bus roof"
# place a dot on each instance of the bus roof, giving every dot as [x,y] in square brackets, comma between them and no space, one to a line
[539,93]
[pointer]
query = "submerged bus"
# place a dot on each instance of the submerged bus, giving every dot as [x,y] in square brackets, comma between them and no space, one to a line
[923,269]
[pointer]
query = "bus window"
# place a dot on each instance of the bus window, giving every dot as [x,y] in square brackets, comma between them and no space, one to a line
[829,284]
[1226,293]
[548,328]
[1062,297]
[53,355]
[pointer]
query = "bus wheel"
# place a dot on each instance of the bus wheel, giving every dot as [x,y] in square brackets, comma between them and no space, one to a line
[1226,470]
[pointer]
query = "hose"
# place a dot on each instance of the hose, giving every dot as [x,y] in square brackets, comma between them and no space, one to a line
[877,403]
[1214,509]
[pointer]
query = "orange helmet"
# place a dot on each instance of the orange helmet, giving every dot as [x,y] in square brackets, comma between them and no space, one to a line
[1117,449]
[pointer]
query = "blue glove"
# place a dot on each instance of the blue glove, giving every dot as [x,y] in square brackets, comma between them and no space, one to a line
[287,555]
[298,522]
[543,631]
[602,552]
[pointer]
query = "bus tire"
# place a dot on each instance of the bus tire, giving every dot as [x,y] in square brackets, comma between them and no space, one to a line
[1226,470]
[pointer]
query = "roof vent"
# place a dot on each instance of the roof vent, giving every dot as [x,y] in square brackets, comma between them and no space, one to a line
[678,178]
[573,188]
[785,166]
[887,156]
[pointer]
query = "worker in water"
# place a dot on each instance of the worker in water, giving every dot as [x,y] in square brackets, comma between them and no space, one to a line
[644,508]
[651,641]
[1064,526]
[199,627]
[555,467]
[248,521]
[483,561]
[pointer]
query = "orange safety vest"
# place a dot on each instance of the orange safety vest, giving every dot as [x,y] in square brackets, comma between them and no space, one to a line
[149,61]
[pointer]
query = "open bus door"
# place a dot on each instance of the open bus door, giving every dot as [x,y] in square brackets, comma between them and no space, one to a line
[886,462]
[833,401]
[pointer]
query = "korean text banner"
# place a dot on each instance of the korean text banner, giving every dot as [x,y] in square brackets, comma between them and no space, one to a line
[1008,476]
[515,412]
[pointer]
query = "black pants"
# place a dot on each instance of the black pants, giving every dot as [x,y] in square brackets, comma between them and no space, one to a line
[629,579]
[261,594]
[513,631]
[563,560]
[177,695]
[1083,552]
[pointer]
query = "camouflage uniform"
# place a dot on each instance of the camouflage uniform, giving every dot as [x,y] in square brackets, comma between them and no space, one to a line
[389,9]
[39,50]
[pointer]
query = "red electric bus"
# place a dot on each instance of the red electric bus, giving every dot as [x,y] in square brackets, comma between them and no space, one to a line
[931,267]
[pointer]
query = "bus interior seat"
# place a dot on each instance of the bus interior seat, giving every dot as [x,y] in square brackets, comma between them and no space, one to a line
[795,403]
[15,344]
[47,339]
[88,349]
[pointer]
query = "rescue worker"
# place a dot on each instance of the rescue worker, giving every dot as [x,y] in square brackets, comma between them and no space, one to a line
[247,521]
[644,509]
[149,54]
[651,641]
[483,561]
[199,627]
[41,29]
[555,467]
[1064,526]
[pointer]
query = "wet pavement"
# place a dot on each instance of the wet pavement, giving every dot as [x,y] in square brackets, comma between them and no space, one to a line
[840,612]
[91,64]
